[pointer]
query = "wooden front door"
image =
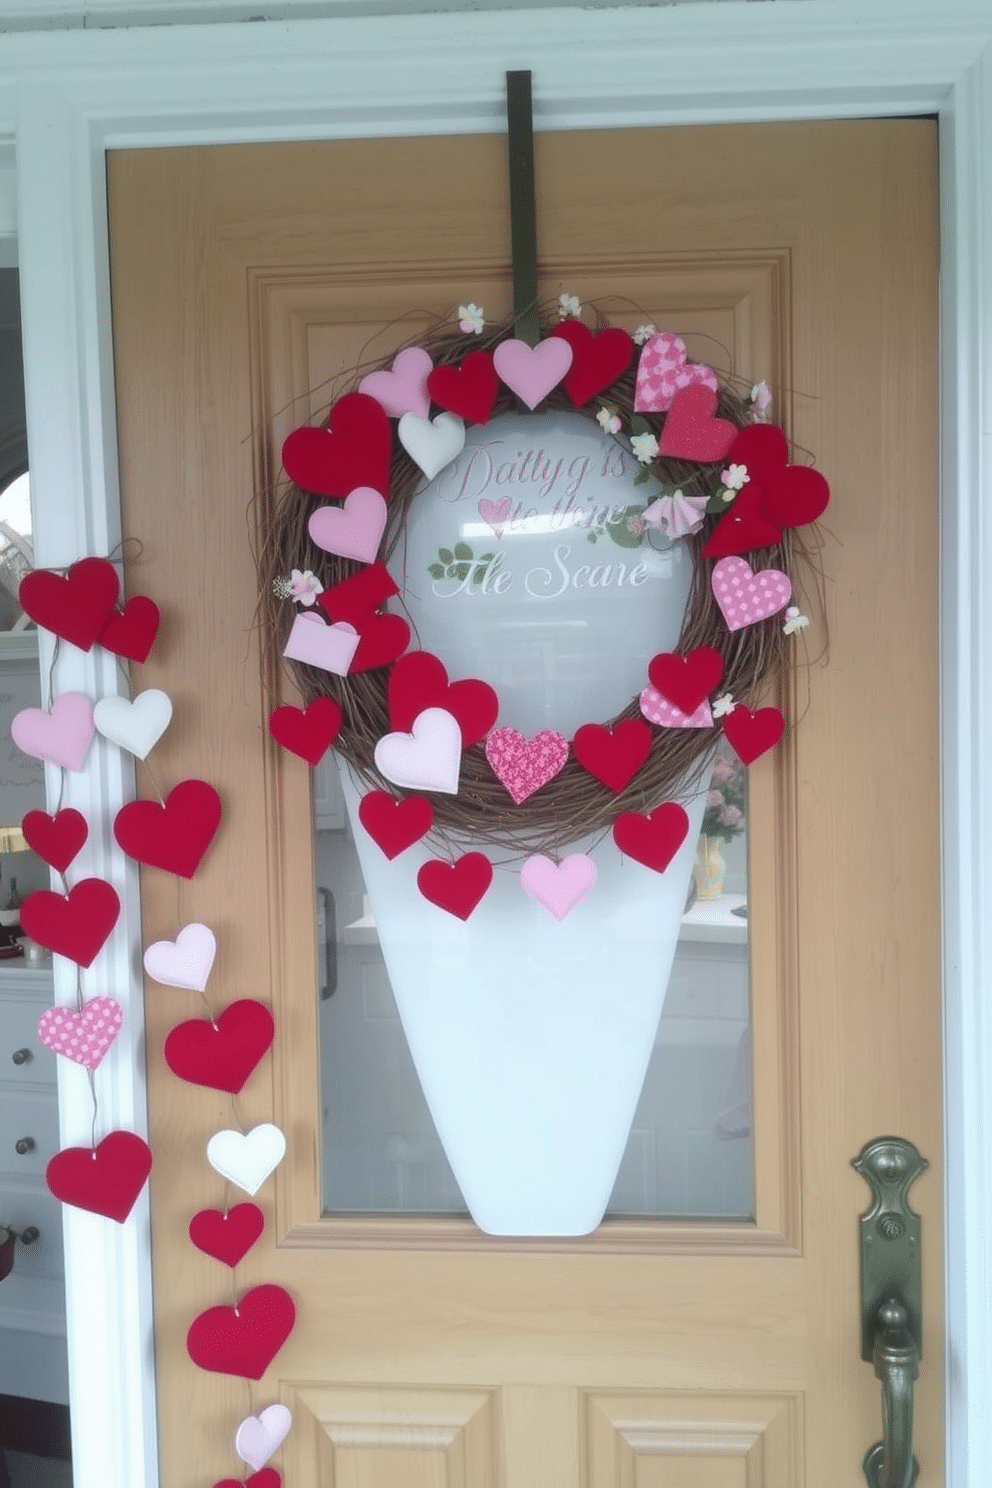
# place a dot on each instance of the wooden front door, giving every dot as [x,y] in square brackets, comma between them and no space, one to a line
[661,1354]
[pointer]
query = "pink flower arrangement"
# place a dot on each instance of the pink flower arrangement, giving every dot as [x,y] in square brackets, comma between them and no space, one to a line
[726,800]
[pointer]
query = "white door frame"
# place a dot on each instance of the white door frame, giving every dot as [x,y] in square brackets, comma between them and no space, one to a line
[66,97]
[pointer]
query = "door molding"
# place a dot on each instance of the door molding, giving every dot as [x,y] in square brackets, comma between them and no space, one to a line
[65,98]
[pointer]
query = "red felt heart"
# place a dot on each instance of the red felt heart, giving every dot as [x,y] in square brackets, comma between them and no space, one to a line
[614,755]
[132,633]
[383,638]
[76,924]
[652,839]
[222,1054]
[791,495]
[419,680]
[598,359]
[266,1477]
[745,527]
[105,1179]
[56,839]
[690,431]
[173,836]
[229,1236]
[243,1340]
[456,887]
[395,825]
[308,732]
[469,389]
[363,593]
[353,449]
[686,681]
[751,734]
[76,607]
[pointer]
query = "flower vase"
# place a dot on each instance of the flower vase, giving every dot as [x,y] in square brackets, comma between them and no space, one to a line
[710,868]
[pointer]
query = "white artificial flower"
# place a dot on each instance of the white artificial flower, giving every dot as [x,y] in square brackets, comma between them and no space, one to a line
[761,401]
[645,447]
[568,307]
[644,333]
[608,421]
[723,705]
[734,477]
[794,620]
[471,319]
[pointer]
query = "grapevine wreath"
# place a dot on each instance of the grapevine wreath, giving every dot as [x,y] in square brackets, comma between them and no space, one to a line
[728,490]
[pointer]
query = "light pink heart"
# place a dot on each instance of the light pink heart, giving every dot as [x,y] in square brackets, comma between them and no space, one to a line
[532,371]
[353,530]
[315,643]
[185,961]
[496,513]
[745,597]
[657,709]
[558,887]
[85,1036]
[63,734]
[663,370]
[523,765]
[259,1436]
[404,388]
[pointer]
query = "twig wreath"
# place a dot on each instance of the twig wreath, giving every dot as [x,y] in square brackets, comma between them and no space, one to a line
[728,490]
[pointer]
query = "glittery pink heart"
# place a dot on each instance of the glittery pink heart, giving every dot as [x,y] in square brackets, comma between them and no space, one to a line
[524,765]
[83,1037]
[496,513]
[745,597]
[657,709]
[532,371]
[663,370]
[404,388]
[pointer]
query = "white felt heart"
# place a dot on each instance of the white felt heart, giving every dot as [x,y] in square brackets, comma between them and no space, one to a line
[185,961]
[432,443]
[247,1158]
[259,1436]
[135,725]
[427,758]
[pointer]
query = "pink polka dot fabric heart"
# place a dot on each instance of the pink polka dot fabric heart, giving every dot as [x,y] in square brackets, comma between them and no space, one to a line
[657,709]
[663,370]
[745,597]
[83,1037]
[523,765]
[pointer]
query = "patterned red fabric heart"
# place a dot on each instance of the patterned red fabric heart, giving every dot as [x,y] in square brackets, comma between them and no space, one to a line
[266,1477]
[361,595]
[383,638]
[76,607]
[752,734]
[173,836]
[688,680]
[791,495]
[132,633]
[222,1054]
[308,732]
[524,765]
[456,887]
[228,1237]
[353,449]
[395,825]
[598,359]
[690,431]
[242,1340]
[76,924]
[614,755]
[419,680]
[469,389]
[653,839]
[744,528]
[56,839]
[105,1179]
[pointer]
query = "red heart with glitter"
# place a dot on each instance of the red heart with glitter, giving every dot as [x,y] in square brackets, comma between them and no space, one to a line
[395,825]
[469,389]
[419,680]
[173,836]
[383,638]
[56,839]
[361,595]
[690,430]
[752,734]
[76,607]
[229,1236]
[790,495]
[524,765]
[598,359]
[243,1340]
[652,839]
[614,755]
[308,732]
[76,924]
[223,1053]
[132,633]
[105,1179]
[353,449]
[744,528]
[686,681]
[456,887]
[266,1477]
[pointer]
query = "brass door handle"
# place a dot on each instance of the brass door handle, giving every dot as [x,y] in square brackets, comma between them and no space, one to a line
[890,1463]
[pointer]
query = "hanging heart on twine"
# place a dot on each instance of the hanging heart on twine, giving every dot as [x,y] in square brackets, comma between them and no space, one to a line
[419,680]
[308,732]
[247,1158]
[558,887]
[136,724]
[76,607]
[403,388]
[744,528]
[83,1036]
[356,598]
[469,389]
[56,839]
[427,757]
[745,597]
[223,1053]
[659,710]
[456,887]
[663,369]
[532,371]
[62,734]
[173,836]
[132,633]
[432,443]
[752,734]
[395,825]
[76,924]
[227,1235]
[185,961]
[523,765]
[598,359]
[691,431]
[652,839]
[353,530]
[613,754]
[352,449]
[243,1340]
[687,681]
[259,1436]
[105,1179]
[330,647]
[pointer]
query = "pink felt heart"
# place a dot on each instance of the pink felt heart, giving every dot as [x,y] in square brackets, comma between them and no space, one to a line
[657,709]
[403,389]
[353,530]
[663,370]
[63,734]
[558,887]
[259,1436]
[496,513]
[185,961]
[524,765]
[532,371]
[691,432]
[330,647]
[83,1037]
[745,597]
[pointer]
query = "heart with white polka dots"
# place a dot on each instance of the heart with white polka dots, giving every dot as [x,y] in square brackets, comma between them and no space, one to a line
[85,1036]
[745,597]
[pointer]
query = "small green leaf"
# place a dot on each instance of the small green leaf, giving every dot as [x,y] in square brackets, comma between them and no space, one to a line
[621,533]
[590,537]
[487,557]
[462,570]
[716,504]
[446,555]
[642,476]
[436,570]
[462,550]
[640,425]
